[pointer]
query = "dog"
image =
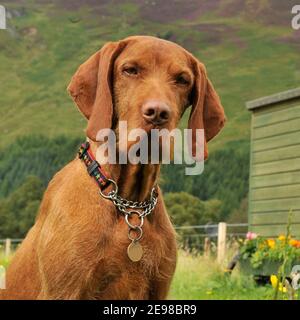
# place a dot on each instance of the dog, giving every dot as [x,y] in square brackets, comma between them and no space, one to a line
[78,246]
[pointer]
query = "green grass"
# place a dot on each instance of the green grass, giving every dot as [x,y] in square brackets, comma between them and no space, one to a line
[245,62]
[4,261]
[200,278]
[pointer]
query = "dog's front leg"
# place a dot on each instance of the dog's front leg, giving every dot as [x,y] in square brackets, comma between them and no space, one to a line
[161,284]
[160,289]
[67,265]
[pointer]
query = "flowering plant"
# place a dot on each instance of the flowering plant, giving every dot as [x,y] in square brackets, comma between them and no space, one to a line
[259,250]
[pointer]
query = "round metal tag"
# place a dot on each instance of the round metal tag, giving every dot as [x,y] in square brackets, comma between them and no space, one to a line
[135,251]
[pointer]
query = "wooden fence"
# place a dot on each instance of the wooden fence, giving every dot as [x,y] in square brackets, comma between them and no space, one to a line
[8,244]
[218,232]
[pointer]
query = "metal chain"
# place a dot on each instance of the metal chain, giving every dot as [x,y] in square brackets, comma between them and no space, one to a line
[141,209]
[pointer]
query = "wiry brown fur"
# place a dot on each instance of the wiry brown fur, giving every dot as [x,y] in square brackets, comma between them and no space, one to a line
[77,248]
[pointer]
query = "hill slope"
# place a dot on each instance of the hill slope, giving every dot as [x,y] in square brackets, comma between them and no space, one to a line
[248,47]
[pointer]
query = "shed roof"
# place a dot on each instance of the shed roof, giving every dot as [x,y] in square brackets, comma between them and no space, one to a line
[272,99]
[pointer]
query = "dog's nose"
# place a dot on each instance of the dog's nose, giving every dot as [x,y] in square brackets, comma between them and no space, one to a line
[156,112]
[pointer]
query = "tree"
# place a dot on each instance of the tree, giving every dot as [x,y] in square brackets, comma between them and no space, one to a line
[186,210]
[18,211]
[225,177]
[34,155]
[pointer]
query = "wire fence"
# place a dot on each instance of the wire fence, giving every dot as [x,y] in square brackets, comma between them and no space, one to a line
[206,237]
[7,246]
[213,238]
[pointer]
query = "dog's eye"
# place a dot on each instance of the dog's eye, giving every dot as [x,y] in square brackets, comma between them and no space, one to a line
[131,71]
[181,79]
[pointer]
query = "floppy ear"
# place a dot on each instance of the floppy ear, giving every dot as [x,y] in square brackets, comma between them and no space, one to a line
[91,88]
[207,112]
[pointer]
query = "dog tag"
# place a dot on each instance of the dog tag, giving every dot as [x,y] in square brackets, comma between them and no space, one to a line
[135,251]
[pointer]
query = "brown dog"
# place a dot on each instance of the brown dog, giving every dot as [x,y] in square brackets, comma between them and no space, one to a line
[77,247]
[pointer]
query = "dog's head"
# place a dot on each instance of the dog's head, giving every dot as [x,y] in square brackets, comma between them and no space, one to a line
[149,83]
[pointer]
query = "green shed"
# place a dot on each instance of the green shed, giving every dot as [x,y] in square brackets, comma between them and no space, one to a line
[274,186]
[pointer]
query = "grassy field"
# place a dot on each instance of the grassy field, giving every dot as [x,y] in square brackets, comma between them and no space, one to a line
[203,279]
[4,261]
[199,278]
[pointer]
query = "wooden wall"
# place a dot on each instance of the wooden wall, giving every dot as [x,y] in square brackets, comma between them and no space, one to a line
[275,164]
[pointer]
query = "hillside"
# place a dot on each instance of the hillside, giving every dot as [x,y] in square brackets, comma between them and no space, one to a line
[248,47]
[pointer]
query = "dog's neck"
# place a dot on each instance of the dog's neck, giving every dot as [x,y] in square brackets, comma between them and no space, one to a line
[135,181]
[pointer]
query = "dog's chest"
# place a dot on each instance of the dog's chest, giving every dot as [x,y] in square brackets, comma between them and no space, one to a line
[122,278]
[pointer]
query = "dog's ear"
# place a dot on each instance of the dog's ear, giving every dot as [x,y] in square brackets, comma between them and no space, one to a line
[91,88]
[207,112]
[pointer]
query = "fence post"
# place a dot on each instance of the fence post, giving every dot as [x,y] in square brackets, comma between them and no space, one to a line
[7,247]
[221,241]
[206,247]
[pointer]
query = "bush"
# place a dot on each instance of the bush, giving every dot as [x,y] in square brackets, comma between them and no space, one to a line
[186,209]
[18,211]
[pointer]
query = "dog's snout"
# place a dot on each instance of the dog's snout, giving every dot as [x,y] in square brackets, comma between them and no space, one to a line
[156,112]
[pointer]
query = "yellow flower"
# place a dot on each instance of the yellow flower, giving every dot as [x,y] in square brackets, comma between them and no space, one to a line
[293,242]
[271,243]
[274,282]
[282,288]
[281,237]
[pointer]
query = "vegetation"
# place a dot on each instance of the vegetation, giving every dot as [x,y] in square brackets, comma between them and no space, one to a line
[186,209]
[244,46]
[4,261]
[249,50]
[260,250]
[27,165]
[18,211]
[34,155]
[225,178]
[202,278]
[275,257]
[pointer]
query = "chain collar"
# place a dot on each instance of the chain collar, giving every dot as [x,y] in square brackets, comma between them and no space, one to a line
[127,207]
[130,208]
